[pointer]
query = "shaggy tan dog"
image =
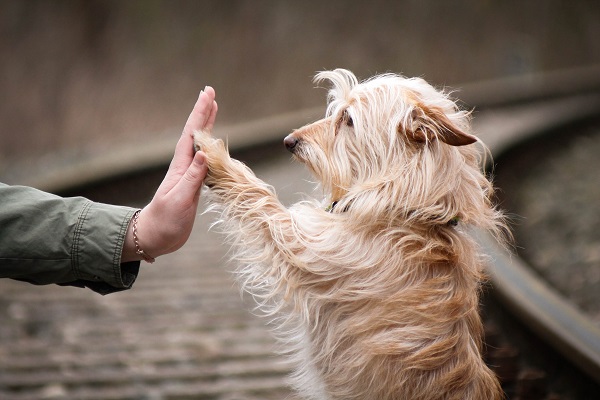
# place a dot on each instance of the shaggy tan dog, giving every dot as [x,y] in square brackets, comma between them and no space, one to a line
[375,289]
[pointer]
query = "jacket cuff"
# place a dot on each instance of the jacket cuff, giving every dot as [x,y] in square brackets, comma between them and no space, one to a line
[97,246]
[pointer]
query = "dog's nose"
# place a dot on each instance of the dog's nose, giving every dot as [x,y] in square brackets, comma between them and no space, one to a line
[290,143]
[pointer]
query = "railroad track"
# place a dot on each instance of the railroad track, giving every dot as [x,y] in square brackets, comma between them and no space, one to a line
[190,335]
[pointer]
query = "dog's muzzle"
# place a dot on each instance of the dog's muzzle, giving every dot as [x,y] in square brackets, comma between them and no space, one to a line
[290,143]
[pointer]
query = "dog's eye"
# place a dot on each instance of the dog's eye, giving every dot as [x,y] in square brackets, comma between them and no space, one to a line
[347,119]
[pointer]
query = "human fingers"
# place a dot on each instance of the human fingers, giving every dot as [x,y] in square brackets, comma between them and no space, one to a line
[210,122]
[188,187]
[201,112]
[184,153]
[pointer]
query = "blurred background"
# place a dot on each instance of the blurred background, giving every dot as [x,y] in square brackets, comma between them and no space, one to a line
[81,77]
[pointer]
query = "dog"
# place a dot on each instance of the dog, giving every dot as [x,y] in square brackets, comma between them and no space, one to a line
[374,290]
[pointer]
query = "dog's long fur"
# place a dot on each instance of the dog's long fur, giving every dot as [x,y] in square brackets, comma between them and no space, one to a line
[375,297]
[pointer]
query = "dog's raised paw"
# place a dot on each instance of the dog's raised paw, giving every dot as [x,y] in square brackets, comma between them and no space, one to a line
[199,138]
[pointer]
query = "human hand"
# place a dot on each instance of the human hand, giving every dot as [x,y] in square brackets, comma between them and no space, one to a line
[165,224]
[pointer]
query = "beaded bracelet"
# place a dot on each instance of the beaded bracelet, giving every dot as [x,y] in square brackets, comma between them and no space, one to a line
[138,249]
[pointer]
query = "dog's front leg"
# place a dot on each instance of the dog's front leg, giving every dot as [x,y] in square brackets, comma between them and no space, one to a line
[248,202]
[271,244]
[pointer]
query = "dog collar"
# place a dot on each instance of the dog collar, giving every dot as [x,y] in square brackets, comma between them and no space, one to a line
[454,221]
[330,207]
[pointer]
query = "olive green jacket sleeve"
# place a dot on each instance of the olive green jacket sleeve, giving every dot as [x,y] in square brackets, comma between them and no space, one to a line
[68,241]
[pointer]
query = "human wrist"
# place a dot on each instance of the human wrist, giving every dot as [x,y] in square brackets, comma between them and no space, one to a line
[137,244]
[136,241]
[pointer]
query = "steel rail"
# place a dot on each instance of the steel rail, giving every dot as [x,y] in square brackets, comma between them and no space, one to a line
[547,313]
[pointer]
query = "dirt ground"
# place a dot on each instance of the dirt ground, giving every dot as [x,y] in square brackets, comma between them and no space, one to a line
[82,77]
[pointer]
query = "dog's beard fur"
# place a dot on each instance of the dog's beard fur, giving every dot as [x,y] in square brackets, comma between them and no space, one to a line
[377,297]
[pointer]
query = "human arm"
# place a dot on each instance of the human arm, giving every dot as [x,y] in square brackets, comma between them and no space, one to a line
[70,241]
[73,241]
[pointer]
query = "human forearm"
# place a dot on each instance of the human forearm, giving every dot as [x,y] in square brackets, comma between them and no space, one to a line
[48,239]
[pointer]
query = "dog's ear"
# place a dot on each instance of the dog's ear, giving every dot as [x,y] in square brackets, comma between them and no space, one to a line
[429,124]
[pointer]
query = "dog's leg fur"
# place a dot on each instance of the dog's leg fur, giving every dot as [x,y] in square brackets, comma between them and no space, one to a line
[247,200]
[254,216]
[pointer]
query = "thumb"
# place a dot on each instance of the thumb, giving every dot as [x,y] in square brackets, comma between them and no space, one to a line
[191,181]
